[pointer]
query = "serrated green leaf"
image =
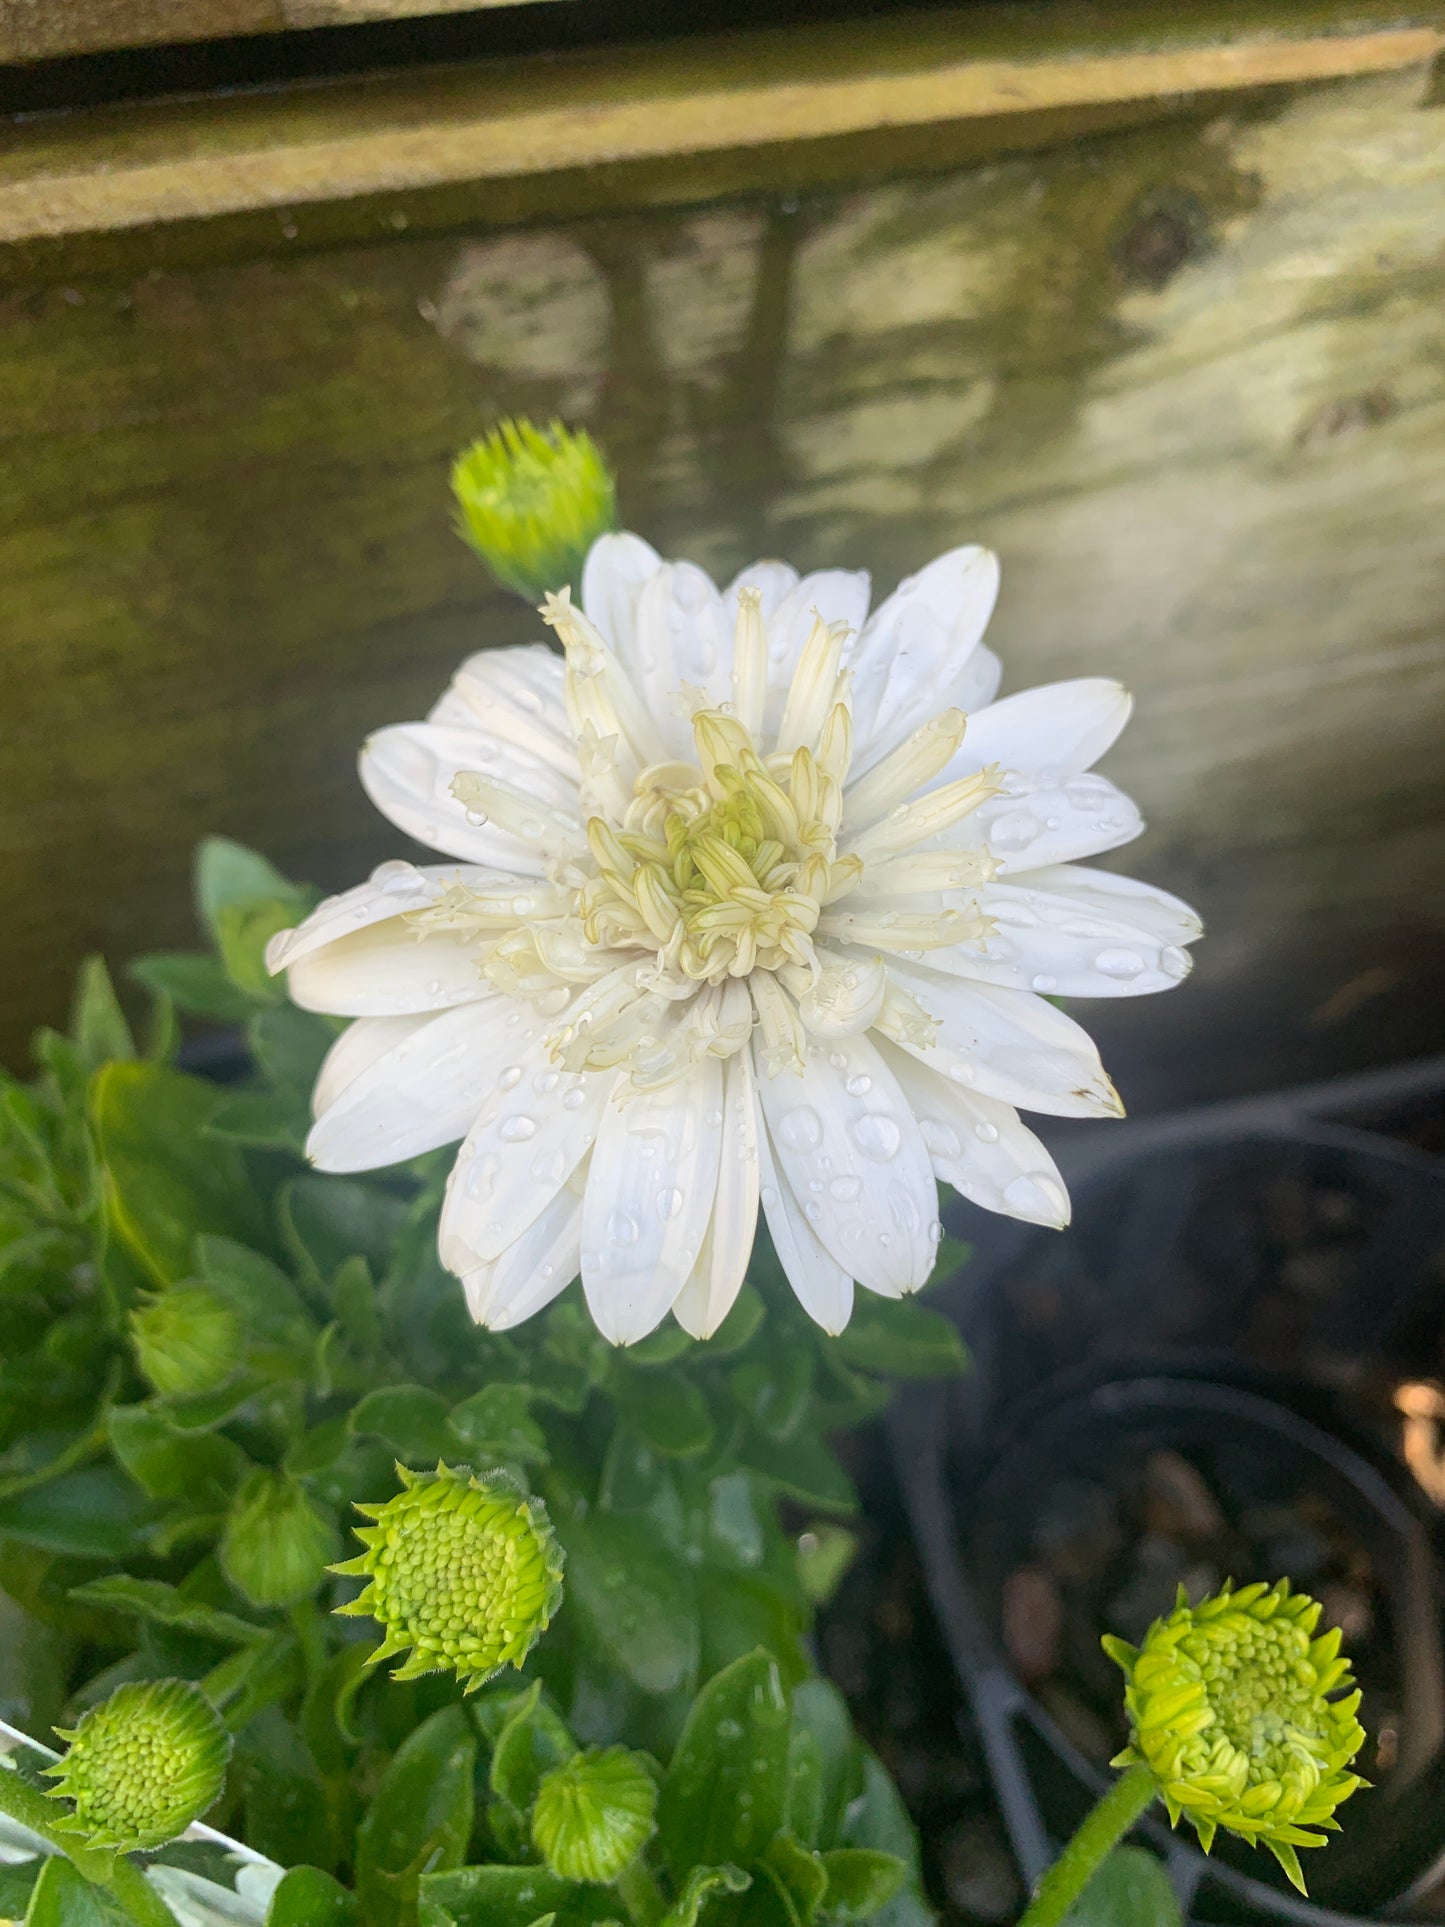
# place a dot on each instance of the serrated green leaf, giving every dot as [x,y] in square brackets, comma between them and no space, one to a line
[419,1819]
[410,1419]
[326,1220]
[804,1467]
[228,873]
[724,1795]
[496,1423]
[93,1513]
[201,1468]
[163,1605]
[61,1898]
[531,1742]
[860,1880]
[901,1339]
[517,1897]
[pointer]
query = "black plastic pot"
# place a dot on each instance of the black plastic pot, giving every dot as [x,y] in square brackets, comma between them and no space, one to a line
[1177,1315]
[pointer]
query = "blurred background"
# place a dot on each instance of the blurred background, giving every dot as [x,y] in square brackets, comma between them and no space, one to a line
[1147,297]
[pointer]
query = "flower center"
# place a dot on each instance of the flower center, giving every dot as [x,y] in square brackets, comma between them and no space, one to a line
[723,868]
[1264,1695]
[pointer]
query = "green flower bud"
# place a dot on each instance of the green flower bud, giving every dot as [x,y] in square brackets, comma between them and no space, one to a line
[186,1339]
[533,503]
[275,1545]
[594,1815]
[1246,1720]
[142,1765]
[465,1573]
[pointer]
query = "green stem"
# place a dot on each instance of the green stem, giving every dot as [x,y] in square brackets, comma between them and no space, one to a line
[41,1814]
[1103,1827]
[636,1887]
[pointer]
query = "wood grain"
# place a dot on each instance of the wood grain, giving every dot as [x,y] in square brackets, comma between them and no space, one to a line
[139,166]
[1186,378]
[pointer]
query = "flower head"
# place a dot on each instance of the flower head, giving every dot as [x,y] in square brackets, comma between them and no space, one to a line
[1245,1718]
[144,1764]
[186,1339]
[595,1814]
[533,502]
[465,1573]
[754,900]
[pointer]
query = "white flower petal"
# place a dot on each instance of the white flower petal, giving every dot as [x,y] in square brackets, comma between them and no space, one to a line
[1047,733]
[531,1272]
[978,684]
[980,1147]
[616,568]
[915,648]
[392,890]
[359,1046]
[532,1131]
[708,1296]
[1006,1044]
[837,595]
[683,643]
[649,1199]
[408,771]
[386,971]
[1057,932]
[772,580]
[514,696]
[421,1093]
[851,1150]
[820,1285]
[1032,824]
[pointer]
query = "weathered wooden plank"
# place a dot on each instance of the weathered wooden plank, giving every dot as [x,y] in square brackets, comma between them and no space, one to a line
[50,29]
[1185,377]
[140,165]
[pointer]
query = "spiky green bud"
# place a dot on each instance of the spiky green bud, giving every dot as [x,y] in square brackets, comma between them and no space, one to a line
[1245,1718]
[533,502]
[275,1545]
[142,1765]
[186,1339]
[465,1573]
[594,1815]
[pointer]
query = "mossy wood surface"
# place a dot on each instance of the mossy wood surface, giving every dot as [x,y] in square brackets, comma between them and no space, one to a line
[1186,377]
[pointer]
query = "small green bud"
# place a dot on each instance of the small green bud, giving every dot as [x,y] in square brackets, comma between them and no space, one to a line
[465,1573]
[594,1815]
[275,1545]
[186,1339]
[142,1765]
[533,503]
[1246,1720]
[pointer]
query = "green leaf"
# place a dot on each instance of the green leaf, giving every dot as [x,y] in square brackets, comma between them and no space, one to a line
[167,1181]
[168,1464]
[162,1605]
[258,1289]
[496,1423]
[410,1419]
[326,1220]
[860,1881]
[63,1899]
[229,873]
[17,1882]
[825,1763]
[804,1468]
[668,1410]
[773,1390]
[725,1792]
[877,1818]
[242,932]
[1131,1889]
[95,1513]
[270,1120]
[196,984]
[353,1298]
[702,1885]
[635,1598]
[307,1897]
[290,1046]
[531,1742]
[516,1897]
[97,1023]
[798,1871]
[902,1339]
[419,1819]
[825,1553]
[734,1530]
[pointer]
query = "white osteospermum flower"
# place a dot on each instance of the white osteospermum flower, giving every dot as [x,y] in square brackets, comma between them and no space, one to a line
[752,899]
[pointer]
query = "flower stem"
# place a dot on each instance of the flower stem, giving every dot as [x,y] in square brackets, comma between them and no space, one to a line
[1101,1830]
[40,1813]
[636,1887]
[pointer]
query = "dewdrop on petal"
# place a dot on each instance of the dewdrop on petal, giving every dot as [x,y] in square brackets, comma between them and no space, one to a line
[533,502]
[465,1573]
[142,1765]
[1245,1718]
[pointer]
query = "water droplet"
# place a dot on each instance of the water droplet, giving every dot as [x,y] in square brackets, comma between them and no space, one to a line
[1119,963]
[573,1100]
[769,1195]
[1044,982]
[859,1086]
[477,819]
[1174,962]
[549,1167]
[846,1190]
[985,1132]
[395,878]
[850,1234]
[433,987]
[669,1203]
[962,1073]
[1037,1195]
[877,1137]
[941,1139]
[838,1059]
[802,1129]
[815,1211]
[935,1232]
[511,1077]
[622,1229]
[544,1081]
[714,1118]
[516,1130]
[1014,830]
